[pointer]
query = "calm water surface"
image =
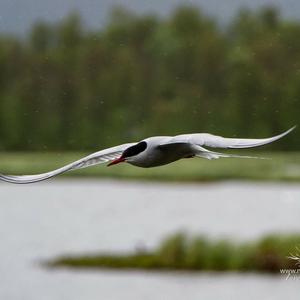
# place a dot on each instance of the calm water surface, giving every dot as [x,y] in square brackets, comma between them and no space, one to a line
[79,216]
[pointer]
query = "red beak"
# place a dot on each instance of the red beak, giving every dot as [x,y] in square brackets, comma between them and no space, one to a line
[116,161]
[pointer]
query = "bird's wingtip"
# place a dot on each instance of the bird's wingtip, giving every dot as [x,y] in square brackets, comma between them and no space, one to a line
[287,131]
[291,129]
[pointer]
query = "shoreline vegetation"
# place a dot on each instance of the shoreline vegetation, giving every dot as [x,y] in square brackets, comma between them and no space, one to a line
[180,252]
[279,166]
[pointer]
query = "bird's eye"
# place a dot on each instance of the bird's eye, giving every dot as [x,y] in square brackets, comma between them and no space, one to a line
[135,150]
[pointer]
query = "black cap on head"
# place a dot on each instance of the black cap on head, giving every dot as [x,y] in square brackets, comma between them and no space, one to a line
[135,150]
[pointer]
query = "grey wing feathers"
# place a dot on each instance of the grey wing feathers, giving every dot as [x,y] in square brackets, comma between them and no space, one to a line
[209,140]
[90,160]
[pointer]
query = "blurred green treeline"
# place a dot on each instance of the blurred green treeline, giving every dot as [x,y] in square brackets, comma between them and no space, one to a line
[64,87]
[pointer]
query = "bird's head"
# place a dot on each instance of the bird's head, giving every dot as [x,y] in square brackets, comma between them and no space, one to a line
[129,152]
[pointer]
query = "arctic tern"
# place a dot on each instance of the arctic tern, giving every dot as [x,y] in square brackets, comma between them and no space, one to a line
[155,151]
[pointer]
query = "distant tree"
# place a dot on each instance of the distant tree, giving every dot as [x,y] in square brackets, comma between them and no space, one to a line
[65,87]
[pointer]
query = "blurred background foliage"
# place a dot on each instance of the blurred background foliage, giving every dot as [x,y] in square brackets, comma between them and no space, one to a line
[64,87]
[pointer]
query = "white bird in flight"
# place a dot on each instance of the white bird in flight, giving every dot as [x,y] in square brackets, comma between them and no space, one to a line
[155,151]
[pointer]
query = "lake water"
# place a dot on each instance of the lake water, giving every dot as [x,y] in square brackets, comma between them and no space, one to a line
[58,217]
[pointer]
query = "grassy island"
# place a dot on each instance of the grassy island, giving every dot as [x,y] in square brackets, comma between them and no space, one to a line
[179,252]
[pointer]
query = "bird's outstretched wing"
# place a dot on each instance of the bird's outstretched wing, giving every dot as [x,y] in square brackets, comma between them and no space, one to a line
[209,140]
[198,140]
[99,157]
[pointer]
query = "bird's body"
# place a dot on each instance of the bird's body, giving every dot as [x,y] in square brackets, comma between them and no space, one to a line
[155,151]
[158,153]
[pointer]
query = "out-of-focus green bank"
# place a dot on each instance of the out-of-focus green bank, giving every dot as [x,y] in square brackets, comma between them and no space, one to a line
[277,166]
[273,253]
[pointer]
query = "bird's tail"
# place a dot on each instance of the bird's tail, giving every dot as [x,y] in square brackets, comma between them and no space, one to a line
[204,153]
